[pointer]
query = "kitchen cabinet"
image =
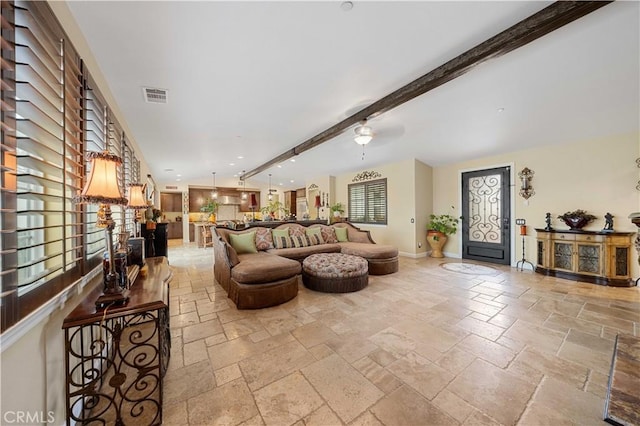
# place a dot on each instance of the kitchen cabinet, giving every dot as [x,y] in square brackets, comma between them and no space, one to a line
[290,201]
[174,230]
[170,202]
[597,257]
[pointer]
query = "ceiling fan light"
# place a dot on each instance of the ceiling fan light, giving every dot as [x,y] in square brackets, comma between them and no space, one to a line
[363,135]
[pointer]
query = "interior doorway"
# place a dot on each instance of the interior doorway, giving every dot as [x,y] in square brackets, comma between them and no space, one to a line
[486,215]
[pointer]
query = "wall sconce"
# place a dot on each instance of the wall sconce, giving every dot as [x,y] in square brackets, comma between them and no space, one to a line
[526,190]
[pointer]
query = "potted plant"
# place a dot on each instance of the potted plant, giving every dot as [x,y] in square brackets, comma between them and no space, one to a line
[210,206]
[337,209]
[438,228]
[577,219]
[270,210]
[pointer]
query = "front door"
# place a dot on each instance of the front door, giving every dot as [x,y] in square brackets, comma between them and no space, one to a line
[485,210]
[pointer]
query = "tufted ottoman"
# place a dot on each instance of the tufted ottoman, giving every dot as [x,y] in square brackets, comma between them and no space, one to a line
[335,272]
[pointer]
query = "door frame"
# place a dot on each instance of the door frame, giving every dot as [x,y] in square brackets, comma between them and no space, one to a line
[512,205]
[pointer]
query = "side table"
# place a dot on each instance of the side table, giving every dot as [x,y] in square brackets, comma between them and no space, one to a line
[115,358]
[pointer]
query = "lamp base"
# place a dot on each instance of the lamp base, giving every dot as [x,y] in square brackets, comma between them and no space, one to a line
[112,299]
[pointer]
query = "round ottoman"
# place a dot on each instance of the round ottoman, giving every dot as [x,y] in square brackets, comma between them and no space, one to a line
[335,272]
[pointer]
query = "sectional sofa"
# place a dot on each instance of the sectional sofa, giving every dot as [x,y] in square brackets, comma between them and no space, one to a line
[261,267]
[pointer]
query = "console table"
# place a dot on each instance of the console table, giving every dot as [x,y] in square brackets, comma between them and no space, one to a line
[115,358]
[596,257]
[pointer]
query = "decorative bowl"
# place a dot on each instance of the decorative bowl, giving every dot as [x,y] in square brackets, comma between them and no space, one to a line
[576,223]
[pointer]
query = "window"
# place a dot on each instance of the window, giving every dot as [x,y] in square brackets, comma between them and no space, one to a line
[52,115]
[368,202]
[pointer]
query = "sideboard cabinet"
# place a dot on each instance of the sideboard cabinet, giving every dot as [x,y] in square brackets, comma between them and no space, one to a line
[596,257]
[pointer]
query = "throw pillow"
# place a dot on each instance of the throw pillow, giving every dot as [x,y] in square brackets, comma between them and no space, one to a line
[315,236]
[244,243]
[328,234]
[232,255]
[300,240]
[264,240]
[296,231]
[341,234]
[281,238]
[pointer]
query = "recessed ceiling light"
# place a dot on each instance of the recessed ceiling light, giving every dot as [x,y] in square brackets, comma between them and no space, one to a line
[232,164]
[179,175]
[279,166]
[292,181]
[346,6]
[240,157]
[168,170]
[281,184]
[178,180]
[293,160]
[500,109]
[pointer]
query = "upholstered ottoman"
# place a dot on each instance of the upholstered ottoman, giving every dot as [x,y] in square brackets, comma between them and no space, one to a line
[335,272]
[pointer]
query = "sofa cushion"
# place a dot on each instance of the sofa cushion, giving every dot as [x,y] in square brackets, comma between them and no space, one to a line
[261,267]
[328,234]
[231,254]
[264,239]
[369,251]
[302,252]
[315,236]
[244,243]
[281,238]
[341,234]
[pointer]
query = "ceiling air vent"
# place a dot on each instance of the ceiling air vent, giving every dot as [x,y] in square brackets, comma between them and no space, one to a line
[155,96]
[170,187]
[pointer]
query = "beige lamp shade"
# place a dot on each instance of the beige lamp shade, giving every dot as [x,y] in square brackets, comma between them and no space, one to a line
[136,197]
[102,185]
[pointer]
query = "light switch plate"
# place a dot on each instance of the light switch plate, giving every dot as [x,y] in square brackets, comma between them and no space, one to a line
[520,222]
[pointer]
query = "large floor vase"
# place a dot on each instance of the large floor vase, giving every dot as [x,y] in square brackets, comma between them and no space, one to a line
[436,240]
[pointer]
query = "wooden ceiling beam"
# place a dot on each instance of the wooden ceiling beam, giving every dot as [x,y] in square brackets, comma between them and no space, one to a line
[529,29]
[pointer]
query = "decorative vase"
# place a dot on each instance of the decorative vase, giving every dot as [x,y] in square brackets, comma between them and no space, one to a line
[150,225]
[212,218]
[436,241]
[576,223]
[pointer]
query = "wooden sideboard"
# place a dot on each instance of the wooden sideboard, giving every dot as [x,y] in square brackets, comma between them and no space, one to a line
[596,257]
[116,358]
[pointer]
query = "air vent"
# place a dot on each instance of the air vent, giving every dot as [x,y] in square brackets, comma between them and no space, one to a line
[171,187]
[154,95]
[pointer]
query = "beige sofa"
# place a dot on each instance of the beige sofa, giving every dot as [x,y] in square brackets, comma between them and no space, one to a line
[270,276]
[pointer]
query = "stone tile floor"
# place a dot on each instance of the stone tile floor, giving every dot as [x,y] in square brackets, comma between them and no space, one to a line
[425,346]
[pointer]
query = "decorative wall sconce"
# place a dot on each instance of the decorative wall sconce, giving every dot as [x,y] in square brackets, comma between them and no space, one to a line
[526,190]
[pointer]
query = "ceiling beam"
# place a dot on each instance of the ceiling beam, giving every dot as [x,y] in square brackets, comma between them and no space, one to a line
[535,26]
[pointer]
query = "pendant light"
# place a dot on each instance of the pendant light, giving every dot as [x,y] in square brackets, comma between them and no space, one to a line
[244,187]
[270,196]
[214,193]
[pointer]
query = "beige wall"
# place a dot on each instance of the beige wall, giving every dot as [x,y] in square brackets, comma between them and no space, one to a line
[598,176]
[407,181]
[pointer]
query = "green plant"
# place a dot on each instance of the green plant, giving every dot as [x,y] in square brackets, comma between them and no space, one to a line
[337,207]
[209,206]
[444,223]
[274,207]
[577,214]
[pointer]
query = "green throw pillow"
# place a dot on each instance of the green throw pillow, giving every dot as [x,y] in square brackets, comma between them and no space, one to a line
[341,234]
[315,236]
[244,243]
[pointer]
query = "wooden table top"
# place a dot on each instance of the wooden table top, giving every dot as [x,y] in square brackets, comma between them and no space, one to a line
[150,291]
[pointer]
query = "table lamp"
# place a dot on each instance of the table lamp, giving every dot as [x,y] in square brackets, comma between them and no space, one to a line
[102,188]
[137,203]
[318,205]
